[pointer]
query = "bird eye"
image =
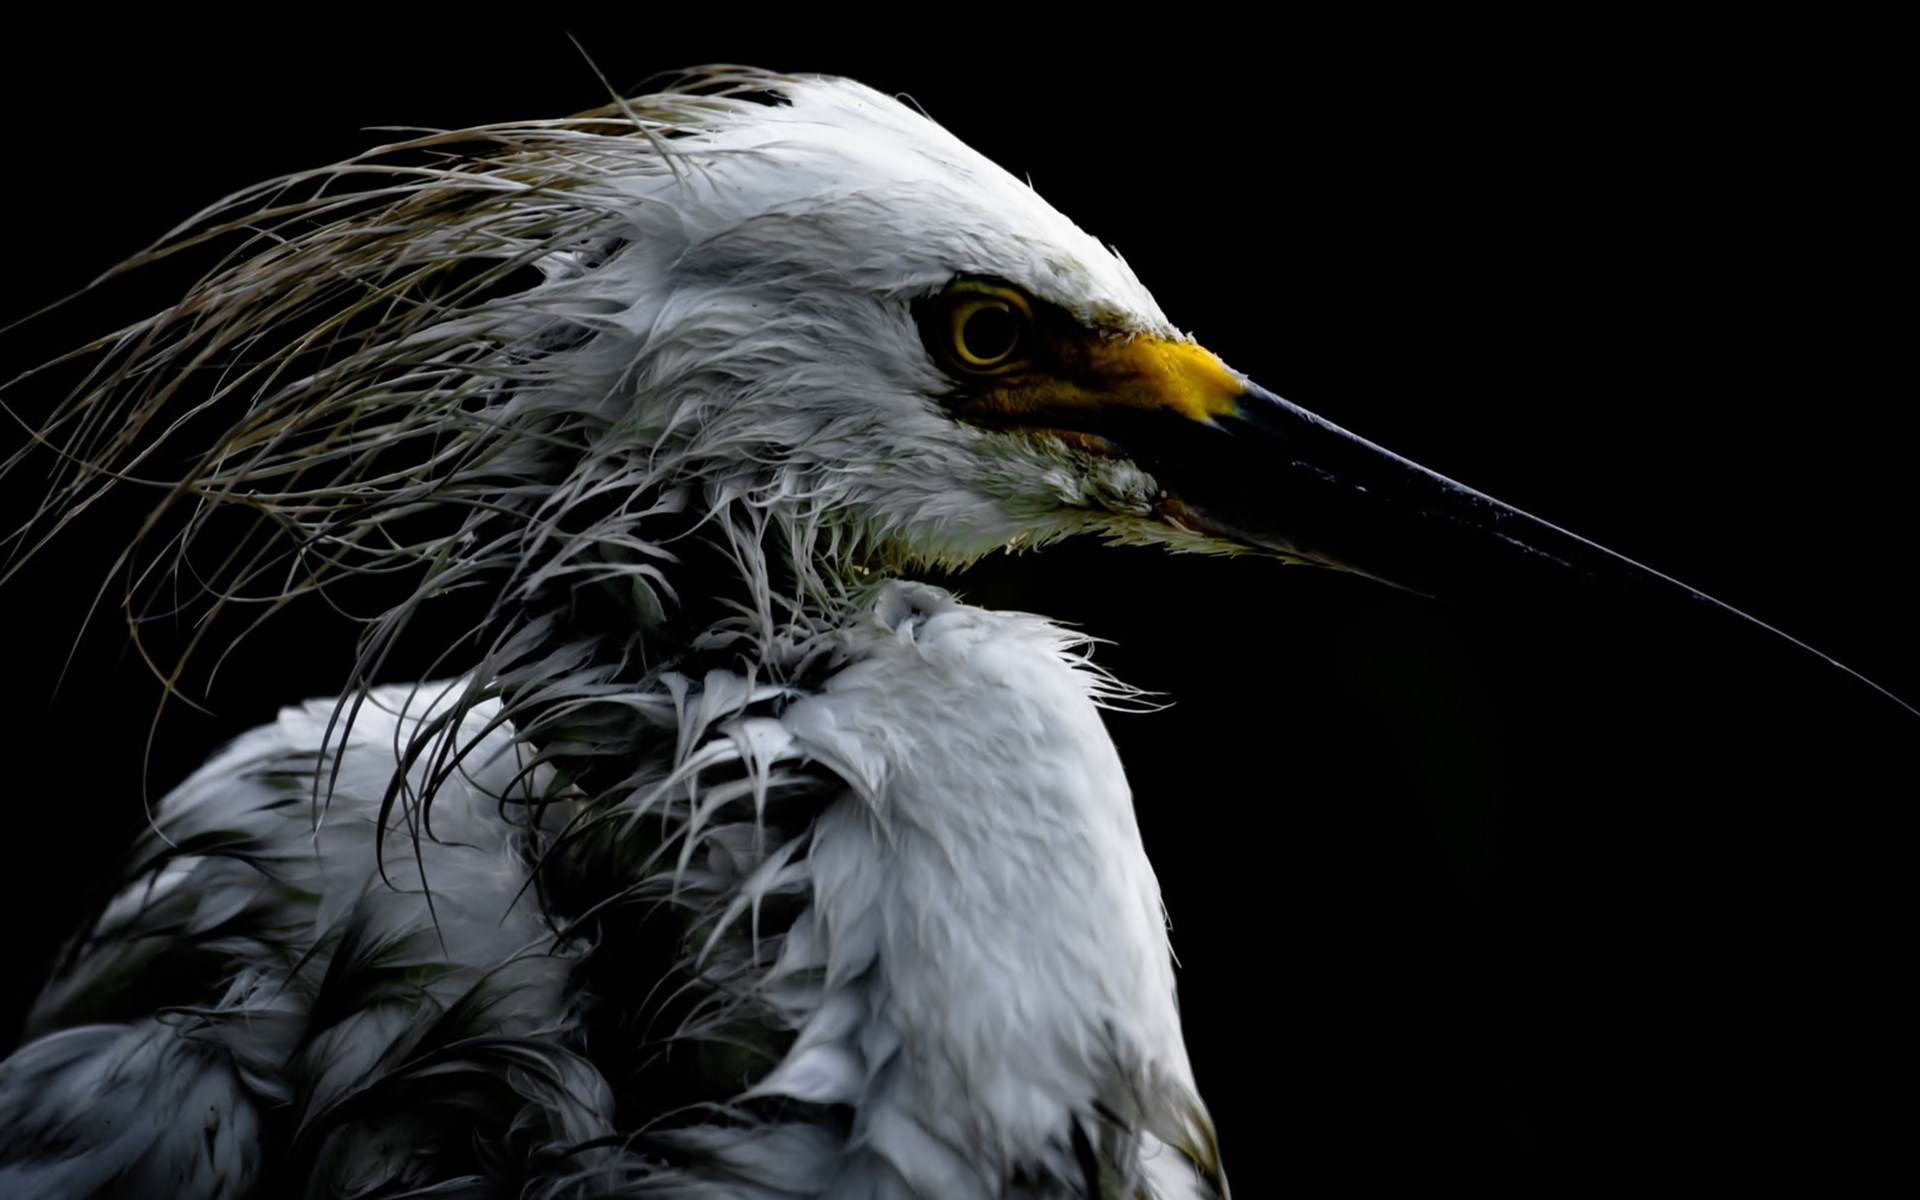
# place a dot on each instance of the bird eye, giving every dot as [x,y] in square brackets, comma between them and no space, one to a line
[986,328]
[985,331]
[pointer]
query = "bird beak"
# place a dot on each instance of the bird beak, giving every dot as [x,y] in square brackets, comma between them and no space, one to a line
[1254,469]
[1270,475]
[1236,463]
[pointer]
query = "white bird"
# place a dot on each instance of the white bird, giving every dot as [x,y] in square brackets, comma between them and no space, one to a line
[684,389]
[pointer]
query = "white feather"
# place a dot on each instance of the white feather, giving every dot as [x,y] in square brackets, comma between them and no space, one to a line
[893,831]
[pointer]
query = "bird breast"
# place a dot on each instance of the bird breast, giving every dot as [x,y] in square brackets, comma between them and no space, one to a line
[970,985]
[994,943]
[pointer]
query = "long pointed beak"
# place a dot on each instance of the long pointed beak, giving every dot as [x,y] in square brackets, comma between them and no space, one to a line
[1270,475]
[1274,476]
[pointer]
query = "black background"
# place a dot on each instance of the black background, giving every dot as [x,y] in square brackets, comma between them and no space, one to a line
[1527,893]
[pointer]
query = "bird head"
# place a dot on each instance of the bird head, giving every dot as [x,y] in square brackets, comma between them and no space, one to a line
[821,301]
[790,312]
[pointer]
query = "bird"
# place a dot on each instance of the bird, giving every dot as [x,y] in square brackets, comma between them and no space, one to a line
[710,335]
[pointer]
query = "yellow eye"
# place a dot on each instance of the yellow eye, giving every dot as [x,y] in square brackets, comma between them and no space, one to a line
[988,328]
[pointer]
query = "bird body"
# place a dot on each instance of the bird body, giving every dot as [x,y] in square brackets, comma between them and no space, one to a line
[258,972]
[654,379]
[943,1042]
[729,861]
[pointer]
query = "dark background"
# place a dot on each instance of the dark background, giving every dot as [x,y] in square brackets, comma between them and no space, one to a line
[1532,891]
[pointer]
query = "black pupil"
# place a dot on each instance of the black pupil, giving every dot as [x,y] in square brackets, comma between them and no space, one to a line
[989,332]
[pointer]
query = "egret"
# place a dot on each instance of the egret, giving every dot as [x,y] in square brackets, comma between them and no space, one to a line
[683,389]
